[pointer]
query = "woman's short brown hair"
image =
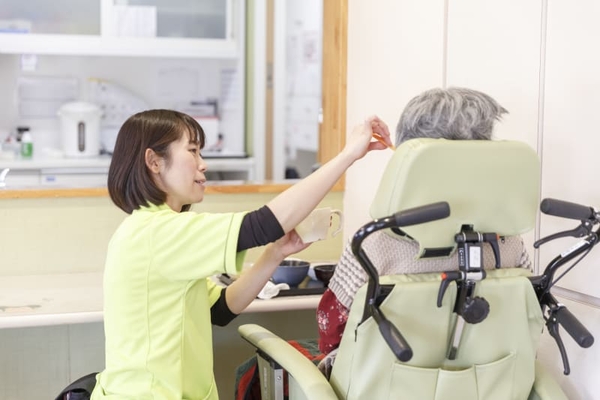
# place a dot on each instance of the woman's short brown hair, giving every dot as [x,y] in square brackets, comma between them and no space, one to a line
[130,184]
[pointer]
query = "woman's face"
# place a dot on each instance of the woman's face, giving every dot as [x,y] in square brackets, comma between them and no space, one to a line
[183,178]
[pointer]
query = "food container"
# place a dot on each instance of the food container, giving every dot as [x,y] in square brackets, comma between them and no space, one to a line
[324,272]
[291,272]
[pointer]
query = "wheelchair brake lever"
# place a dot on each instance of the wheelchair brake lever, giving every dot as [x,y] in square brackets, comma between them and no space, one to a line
[552,325]
[492,239]
[580,231]
[447,278]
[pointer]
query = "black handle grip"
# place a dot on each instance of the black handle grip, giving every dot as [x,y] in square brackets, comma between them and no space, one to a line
[395,340]
[422,214]
[565,209]
[574,328]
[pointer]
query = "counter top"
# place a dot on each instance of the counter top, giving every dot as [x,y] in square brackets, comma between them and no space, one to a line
[57,299]
[55,162]
[56,191]
[217,163]
[222,187]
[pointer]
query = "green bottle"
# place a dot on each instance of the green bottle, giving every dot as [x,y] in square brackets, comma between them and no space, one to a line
[26,145]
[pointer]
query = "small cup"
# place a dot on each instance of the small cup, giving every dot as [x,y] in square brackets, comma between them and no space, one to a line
[316,225]
[324,272]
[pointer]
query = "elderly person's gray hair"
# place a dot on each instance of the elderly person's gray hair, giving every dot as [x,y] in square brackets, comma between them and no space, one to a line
[453,113]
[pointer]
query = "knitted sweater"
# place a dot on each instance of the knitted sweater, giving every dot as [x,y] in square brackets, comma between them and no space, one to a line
[392,254]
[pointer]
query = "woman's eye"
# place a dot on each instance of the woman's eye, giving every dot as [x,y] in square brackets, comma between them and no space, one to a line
[194,150]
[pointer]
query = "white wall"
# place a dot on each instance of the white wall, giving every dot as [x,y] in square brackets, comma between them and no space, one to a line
[538,60]
[395,50]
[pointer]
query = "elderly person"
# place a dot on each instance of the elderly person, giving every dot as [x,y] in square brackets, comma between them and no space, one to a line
[453,113]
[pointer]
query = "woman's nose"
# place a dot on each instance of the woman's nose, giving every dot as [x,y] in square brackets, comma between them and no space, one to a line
[201,164]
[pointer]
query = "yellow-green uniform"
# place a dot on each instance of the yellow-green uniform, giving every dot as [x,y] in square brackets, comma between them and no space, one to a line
[157,299]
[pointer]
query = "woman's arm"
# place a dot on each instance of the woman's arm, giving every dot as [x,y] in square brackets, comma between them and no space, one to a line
[294,204]
[245,289]
[258,228]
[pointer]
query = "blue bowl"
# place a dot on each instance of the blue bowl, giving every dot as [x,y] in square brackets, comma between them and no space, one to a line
[291,272]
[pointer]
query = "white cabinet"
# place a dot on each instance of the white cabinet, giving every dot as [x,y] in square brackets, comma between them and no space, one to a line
[74,177]
[162,28]
[22,178]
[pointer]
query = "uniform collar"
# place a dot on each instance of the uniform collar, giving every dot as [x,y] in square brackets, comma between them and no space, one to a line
[154,208]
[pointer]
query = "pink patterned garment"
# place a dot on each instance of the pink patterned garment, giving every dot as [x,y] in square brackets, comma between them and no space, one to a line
[331,318]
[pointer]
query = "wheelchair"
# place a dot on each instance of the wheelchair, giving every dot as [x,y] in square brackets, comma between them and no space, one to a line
[467,333]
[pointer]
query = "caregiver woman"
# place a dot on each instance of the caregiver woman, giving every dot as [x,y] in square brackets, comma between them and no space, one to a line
[158,301]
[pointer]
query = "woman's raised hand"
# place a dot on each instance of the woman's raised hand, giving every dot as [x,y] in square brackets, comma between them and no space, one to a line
[293,205]
[360,141]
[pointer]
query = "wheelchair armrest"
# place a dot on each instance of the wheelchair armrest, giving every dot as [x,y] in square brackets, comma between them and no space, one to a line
[545,386]
[308,377]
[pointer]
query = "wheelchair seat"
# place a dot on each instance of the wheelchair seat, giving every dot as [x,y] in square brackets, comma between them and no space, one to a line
[492,190]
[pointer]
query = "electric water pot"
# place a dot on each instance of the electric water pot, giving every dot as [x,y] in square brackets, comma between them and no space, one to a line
[80,129]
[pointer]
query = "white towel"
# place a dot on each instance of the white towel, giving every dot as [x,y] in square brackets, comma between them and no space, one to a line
[271,290]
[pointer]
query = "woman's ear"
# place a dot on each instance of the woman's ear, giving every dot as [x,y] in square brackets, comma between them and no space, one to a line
[153,161]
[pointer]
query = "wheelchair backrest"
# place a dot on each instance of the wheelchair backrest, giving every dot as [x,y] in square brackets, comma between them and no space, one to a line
[491,185]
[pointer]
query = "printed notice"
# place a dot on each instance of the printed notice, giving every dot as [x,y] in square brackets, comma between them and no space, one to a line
[135,21]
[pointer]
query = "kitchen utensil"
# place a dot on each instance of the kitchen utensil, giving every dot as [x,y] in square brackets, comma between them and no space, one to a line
[291,272]
[316,225]
[324,272]
[380,140]
[80,129]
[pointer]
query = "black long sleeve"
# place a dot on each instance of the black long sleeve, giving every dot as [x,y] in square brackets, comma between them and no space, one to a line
[220,314]
[258,228]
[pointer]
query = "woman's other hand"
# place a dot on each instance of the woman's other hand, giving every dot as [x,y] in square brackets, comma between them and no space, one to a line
[245,289]
[289,244]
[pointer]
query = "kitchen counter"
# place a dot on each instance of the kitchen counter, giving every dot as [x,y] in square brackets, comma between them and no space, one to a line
[57,299]
[87,176]
[55,162]
[35,163]
[223,187]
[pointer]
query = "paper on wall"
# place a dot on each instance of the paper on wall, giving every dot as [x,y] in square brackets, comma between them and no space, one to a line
[135,21]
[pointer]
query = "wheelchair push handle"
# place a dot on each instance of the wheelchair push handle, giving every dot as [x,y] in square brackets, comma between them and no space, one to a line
[422,214]
[566,209]
[560,208]
[574,328]
[411,216]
